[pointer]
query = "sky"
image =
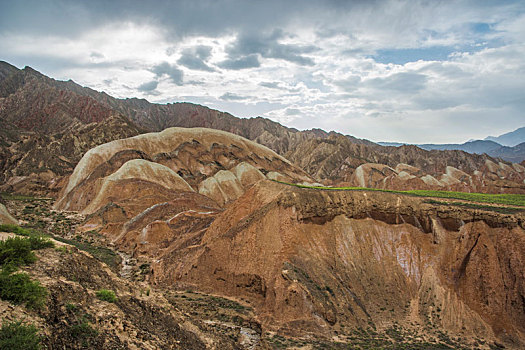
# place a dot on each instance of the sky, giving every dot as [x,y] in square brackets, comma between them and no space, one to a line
[395,70]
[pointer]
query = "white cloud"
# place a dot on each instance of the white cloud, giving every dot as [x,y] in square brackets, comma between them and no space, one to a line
[305,66]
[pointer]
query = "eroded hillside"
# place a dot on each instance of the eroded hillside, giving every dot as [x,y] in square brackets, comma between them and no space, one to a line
[315,262]
[46,126]
[207,244]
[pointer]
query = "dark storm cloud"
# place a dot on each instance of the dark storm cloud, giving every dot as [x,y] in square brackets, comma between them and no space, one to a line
[149,86]
[166,69]
[180,18]
[329,83]
[194,58]
[250,61]
[268,46]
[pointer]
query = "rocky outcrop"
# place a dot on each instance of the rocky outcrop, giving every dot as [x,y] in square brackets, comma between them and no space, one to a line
[493,178]
[226,186]
[315,260]
[247,174]
[335,159]
[137,170]
[223,187]
[6,217]
[138,190]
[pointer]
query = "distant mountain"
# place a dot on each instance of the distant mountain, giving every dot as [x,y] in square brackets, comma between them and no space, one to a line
[477,146]
[510,139]
[514,154]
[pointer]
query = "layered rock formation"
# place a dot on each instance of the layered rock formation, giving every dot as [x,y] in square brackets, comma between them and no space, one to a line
[491,178]
[196,204]
[183,157]
[135,188]
[56,122]
[337,161]
[320,261]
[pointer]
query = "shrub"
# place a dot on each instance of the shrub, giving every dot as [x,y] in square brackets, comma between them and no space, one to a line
[83,332]
[71,307]
[40,242]
[16,251]
[62,249]
[19,288]
[107,295]
[18,336]
[15,229]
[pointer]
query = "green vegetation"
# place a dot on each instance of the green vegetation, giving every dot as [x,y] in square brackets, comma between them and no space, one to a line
[18,250]
[62,249]
[394,337]
[505,199]
[19,288]
[106,255]
[80,329]
[71,307]
[38,242]
[19,336]
[228,304]
[107,295]
[22,197]
[83,332]
[217,309]
[15,229]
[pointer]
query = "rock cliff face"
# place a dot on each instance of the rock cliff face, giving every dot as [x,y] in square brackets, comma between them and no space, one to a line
[318,261]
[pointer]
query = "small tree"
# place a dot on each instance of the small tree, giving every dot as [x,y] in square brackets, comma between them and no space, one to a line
[19,336]
[107,295]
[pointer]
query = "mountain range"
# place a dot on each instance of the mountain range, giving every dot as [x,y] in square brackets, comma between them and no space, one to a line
[509,139]
[509,146]
[47,125]
[179,226]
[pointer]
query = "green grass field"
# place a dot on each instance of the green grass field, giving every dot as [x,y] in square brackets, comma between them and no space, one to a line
[503,199]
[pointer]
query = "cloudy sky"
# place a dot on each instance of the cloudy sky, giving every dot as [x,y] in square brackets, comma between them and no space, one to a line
[413,71]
